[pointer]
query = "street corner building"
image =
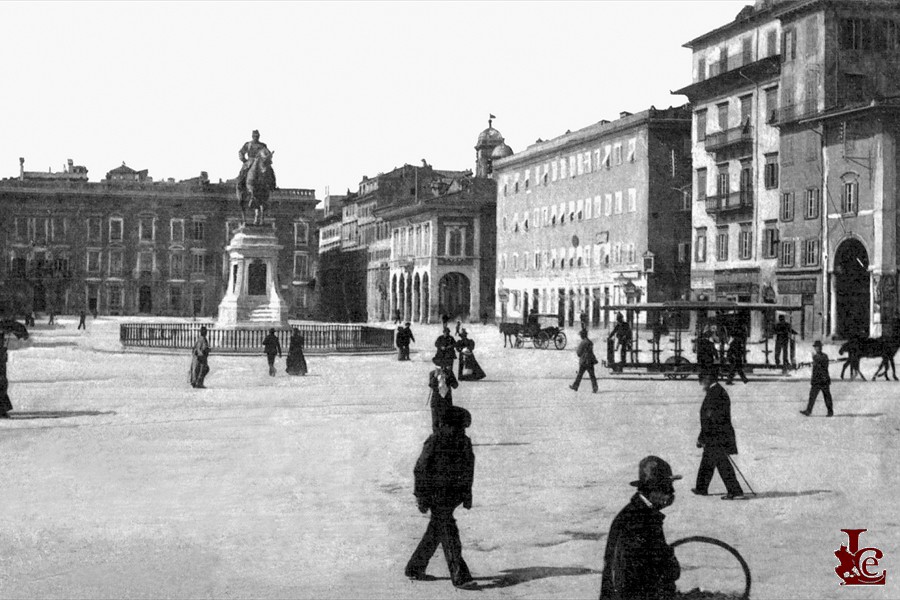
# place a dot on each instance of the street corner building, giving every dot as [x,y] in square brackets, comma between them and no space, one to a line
[595,217]
[415,241]
[129,245]
[795,110]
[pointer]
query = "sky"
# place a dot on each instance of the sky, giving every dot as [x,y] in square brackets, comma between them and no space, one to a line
[338,90]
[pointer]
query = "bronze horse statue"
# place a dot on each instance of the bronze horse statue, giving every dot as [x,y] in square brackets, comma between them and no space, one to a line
[260,183]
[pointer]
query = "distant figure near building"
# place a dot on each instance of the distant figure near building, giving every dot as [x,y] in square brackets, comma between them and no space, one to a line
[199,360]
[5,403]
[396,316]
[296,362]
[445,346]
[820,381]
[622,333]
[52,319]
[81,320]
[783,333]
[442,382]
[717,439]
[403,339]
[272,347]
[736,351]
[638,563]
[458,326]
[443,480]
[706,353]
[586,361]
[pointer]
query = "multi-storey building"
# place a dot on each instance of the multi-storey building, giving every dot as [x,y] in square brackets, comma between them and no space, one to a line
[128,245]
[595,217]
[820,74]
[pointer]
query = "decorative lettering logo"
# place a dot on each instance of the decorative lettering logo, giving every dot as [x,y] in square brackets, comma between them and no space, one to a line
[855,564]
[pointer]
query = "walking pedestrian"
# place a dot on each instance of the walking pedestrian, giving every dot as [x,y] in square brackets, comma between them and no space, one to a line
[706,353]
[586,361]
[271,346]
[638,563]
[396,316]
[442,383]
[717,439]
[736,352]
[52,318]
[5,404]
[81,320]
[443,480]
[296,362]
[583,317]
[199,360]
[445,345]
[404,337]
[469,369]
[820,381]
[783,333]
[458,326]
[622,333]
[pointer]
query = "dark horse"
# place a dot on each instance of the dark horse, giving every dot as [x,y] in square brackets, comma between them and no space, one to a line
[510,331]
[884,348]
[260,183]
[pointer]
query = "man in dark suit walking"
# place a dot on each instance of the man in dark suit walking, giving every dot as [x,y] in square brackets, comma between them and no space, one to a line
[783,333]
[821,380]
[717,439]
[586,361]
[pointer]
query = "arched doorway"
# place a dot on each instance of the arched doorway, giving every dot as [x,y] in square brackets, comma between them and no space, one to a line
[426,299]
[395,297]
[145,299]
[416,299]
[851,288]
[453,295]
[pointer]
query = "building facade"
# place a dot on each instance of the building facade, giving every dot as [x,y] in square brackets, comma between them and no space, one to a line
[595,217]
[128,245]
[818,76]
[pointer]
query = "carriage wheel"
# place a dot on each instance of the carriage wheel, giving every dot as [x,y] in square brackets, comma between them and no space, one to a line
[559,340]
[541,340]
[677,367]
[520,341]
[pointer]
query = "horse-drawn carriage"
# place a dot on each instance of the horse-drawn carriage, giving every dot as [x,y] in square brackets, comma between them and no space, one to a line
[541,330]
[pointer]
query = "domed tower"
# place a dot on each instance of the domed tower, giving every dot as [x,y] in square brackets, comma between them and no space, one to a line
[489,141]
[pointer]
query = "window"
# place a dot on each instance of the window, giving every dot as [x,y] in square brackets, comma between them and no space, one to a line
[723,116]
[562,168]
[61,265]
[850,196]
[607,152]
[686,200]
[94,226]
[176,266]
[455,241]
[176,230]
[571,211]
[618,203]
[853,34]
[617,153]
[771,104]
[116,263]
[723,183]
[115,298]
[701,125]
[770,242]
[609,203]
[572,166]
[554,169]
[59,228]
[812,203]
[701,245]
[632,149]
[545,216]
[788,44]
[145,228]
[598,206]
[301,266]
[93,261]
[746,109]
[526,261]
[787,206]
[537,260]
[722,244]
[630,254]
[771,42]
[684,252]
[198,263]
[587,208]
[175,298]
[632,200]
[115,230]
[811,253]
[145,263]
[199,231]
[579,209]
[515,262]
[770,171]
[553,215]
[745,242]
[812,36]
[701,184]
[787,254]
[745,184]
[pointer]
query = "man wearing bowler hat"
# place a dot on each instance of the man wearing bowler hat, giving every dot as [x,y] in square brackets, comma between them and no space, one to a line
[441,380]
[638,563]
[821,381]
[717,439]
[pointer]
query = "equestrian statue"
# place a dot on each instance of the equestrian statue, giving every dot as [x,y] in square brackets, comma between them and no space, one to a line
[256,180]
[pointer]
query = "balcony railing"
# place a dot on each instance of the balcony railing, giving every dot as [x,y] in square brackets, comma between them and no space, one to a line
[729,202]
[730,137]
[793,112]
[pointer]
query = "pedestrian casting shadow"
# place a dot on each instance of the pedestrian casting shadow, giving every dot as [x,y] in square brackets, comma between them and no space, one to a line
[58,414]
[765,495]
[511,577]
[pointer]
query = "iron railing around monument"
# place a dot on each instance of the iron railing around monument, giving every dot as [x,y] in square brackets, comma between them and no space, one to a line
[317,338]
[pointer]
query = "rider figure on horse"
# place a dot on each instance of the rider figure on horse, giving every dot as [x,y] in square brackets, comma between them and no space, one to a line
[247,153]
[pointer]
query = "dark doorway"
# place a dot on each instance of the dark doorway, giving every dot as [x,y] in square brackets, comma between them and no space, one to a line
[453,295]
[561,307]
[851,287]
[145,299]
[39,297]
[256,279]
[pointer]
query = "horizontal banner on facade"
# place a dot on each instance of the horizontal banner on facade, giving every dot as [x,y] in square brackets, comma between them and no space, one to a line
[797,286]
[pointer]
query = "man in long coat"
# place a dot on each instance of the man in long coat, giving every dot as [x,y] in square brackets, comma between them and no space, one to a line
[783,333]
[706,353]
[622,333]
[443,480]
[586,361]
[442,382]
[638,563]
[199,364]
[821,381]
[272,347]
[717,439]
[445,346]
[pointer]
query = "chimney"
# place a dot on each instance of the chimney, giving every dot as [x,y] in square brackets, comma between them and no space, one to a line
[21,168]
[70,164]
[624,114]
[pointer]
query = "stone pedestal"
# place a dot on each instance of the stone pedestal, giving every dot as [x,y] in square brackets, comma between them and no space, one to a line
[252,300]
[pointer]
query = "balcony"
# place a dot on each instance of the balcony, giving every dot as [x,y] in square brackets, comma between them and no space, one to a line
[731,74]
[793,112]
[729,138]
[732,201]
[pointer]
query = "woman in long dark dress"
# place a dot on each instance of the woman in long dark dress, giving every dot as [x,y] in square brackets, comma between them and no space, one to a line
[5,404]
[296,362]
[469,368]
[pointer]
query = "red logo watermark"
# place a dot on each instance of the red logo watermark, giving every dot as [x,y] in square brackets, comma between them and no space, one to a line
[858,565]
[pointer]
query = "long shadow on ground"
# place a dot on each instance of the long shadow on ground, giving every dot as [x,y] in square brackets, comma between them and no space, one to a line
[511,577]
[58,414]
[764,495]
